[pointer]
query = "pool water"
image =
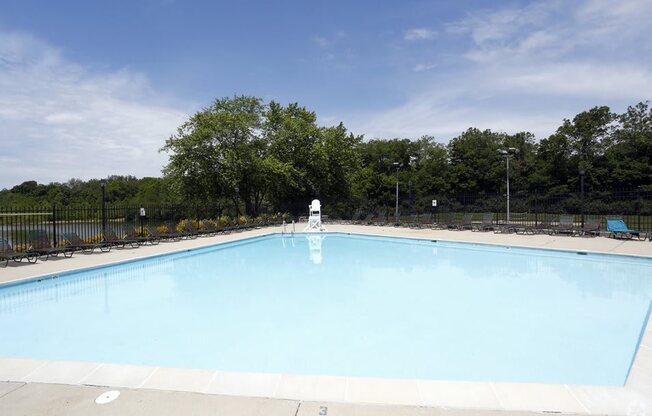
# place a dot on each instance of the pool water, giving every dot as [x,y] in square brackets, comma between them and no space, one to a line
[346,305]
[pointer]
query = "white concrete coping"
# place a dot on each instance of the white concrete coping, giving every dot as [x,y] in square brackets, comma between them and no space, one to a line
[633,398]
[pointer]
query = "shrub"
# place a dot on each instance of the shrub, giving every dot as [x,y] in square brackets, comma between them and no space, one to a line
[207,224]
[184,225]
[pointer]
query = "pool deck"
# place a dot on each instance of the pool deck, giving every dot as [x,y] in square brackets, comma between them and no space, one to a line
[31,387]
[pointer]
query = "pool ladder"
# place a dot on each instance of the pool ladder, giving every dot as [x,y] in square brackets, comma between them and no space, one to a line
[284,231]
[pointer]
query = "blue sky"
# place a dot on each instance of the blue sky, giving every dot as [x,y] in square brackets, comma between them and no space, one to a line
[89,89]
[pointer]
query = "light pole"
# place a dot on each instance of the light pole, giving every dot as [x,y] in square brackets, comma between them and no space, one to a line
[507,154]
[582,173]
[103,188]
[237,203]
[398,166]
[410,195]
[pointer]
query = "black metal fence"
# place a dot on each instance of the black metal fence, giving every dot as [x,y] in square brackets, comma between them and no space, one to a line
[89,222]
[634,206]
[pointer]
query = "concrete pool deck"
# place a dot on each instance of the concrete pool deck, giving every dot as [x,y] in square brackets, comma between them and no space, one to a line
[308,394]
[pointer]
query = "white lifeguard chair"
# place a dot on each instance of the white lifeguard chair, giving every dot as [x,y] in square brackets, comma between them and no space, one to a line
[314,217]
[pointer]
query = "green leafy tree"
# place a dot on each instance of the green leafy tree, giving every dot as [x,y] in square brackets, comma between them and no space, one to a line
[220,153]
[629,156]
[475,164]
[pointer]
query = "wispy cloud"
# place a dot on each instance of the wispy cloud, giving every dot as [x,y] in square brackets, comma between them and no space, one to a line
[321,41]
[329,40]
[419,34]
[527,68]
[60,120]
[423,67]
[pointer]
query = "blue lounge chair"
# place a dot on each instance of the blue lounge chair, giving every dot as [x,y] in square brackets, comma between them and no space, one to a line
[618,229]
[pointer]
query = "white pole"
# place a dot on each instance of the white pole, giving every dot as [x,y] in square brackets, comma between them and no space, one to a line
[507,188]
[396,211]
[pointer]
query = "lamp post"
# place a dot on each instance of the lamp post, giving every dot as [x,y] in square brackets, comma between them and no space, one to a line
[237,203]
[397,166]
[103,188]
[507,154]
[582,173]
[410,195]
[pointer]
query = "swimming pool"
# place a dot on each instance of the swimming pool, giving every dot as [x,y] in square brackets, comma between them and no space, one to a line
[346,305]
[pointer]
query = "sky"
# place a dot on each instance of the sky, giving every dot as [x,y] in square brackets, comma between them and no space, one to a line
[94,88]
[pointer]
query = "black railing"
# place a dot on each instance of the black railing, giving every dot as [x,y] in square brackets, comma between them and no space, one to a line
[634,206]
[89,221]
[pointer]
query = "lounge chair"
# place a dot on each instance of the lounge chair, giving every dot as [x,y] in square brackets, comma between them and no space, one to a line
[190,230]
[425,221]
[512,226]
[74,242]
[466,223]
[132,234]
[7,253]
[618,229]
[591,227]
[414,221]
[487,222]
[370,218]
[519,222]
[112,238]
[405,220]
[541,227]
[172,230]
[39,244]
[445,221]
[381,219]
[355,218]
[566,225]
[167,235]
[228,227]
[396,221]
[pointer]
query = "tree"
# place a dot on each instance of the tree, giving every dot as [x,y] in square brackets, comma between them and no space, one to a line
[293,134]
[475,164]
[629,156]
[586,134]
[220,153]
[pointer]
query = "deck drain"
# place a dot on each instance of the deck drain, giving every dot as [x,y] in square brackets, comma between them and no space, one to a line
[107,397]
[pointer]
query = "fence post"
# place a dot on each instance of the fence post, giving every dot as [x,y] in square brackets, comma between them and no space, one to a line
[533,201]
[54,225]
[103,188]
[638,206]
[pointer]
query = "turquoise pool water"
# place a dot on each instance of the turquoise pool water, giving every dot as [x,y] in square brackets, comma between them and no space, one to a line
[346,305]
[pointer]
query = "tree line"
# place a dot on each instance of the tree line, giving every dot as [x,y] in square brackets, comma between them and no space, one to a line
[253,156]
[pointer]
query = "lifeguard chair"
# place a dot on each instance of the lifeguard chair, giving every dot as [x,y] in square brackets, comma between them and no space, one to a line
[314,217]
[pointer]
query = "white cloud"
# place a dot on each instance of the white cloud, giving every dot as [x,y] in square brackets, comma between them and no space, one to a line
[321,41]
[60,120]
[419,34]
[325,41]
[448,107]
[423,67]
[526,69]
[603,82]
